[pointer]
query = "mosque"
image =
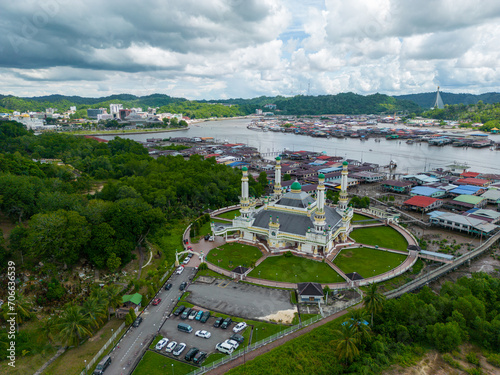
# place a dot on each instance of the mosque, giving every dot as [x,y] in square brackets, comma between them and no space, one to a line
[293,220]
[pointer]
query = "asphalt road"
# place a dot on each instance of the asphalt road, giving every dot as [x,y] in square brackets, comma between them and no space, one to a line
[135,340]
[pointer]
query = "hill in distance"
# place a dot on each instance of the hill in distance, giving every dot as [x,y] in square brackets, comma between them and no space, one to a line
[427,99]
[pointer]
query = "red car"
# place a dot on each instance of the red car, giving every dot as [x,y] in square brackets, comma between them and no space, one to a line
[156,301]
[190,248]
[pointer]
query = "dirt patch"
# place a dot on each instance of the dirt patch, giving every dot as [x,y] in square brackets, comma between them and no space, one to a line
[6,225]
[285,316]
[346,254]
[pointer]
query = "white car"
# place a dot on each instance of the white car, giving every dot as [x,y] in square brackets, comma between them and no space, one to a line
[179,270]
[232,343]
[171,346]
[161,344]
[186,260]
[239,327]
[179,349]
[203,333]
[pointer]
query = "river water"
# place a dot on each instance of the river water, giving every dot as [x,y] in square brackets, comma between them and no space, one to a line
[410,158]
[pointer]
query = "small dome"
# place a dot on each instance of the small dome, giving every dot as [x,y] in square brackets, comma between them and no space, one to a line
[278,158]
[244,169]
[296,186]
[345,163]
[321,175]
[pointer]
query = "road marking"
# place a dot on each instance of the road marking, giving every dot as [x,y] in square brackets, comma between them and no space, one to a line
[225,284]
[130,347]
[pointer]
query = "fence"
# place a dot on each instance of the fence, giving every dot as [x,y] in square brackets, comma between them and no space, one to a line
[99,353]
[270,339]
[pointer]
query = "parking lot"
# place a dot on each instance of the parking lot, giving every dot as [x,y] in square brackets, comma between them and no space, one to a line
[170,331]
[238,299]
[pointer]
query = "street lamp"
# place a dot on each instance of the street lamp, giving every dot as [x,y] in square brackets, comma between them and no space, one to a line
[172,369]
[85,366]
[276,279]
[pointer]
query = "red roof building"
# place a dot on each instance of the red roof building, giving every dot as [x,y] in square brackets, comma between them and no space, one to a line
[473,181]
[422,203]
[469,175]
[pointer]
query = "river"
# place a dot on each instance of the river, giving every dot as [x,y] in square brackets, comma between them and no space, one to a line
[410,158]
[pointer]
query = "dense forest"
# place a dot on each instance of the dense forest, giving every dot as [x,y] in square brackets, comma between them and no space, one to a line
[141,196]
[344,103]
[426,100]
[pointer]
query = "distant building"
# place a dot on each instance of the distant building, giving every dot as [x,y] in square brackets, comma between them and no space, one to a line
[115,108]
[94,112]
[422,203]
[310,292]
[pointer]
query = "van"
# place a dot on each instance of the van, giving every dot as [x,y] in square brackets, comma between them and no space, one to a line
[101,366]
[224,347]
[184,327]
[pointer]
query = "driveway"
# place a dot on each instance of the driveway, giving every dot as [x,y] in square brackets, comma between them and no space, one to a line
[238,299]
[135,340]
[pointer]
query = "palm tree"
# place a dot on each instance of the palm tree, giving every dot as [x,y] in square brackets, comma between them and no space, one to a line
[113,295]
[94,310]
[346,343]
[73,325]
[357,319]
[374,301]
[47,329]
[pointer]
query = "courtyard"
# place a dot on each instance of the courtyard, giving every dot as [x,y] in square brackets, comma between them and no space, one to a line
[232,255]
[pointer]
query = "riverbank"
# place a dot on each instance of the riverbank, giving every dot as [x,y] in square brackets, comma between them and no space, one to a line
[123,132]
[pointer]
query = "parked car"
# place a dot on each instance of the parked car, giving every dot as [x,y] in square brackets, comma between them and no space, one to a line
[190,249]
[186,241]
[186,260]
[207,236]
[161,344]
[193,314]
[171,346]
[205,316]
[199,357]
[179,270]
[191,353]
[233,343]
[156,301]
[238,338]
[179,310]
[199,315]
[226,323]
[102,365]
[203,333]
[137,321]
[218,322]
[186,313]
[168,286]
[183,286]
[239,327]
[179,349]
[224,347]
[211,238]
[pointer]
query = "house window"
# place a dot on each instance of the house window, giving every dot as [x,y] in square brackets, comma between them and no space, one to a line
[311,299]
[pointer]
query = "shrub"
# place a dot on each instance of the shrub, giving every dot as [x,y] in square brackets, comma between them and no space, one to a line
[472,358]
[288,254]
[449,360]
[494,359]
[203,267]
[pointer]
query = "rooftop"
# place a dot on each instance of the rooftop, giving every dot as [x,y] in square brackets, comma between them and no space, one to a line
[420,201]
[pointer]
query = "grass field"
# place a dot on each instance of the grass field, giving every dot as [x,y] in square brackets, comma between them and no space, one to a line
[154,363]
[367,262]
[356,217]
[295,270]
[232,255]
[205,229]
[229,214]
[381,236]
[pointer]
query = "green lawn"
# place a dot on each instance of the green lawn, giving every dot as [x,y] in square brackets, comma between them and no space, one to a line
[367,262]
[157,364]
[205,229]
[232,255]
[381,236]
[210,273]
[356,217]
[229,214]
[295,270]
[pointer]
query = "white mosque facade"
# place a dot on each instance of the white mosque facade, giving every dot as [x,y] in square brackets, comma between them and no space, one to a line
[293,220]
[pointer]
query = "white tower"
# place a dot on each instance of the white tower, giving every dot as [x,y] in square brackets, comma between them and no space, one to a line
[343,187]
[277,178]
[319,216]
[244,199]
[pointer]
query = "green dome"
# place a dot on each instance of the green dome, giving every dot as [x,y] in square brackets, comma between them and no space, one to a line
[244,169]
[345,163]
[321,175]
[278,158]
[296,186]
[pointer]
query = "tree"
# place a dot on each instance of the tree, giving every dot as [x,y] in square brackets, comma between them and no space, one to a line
[113,262]
[445,336]
[94,310]
[357,319]
[346,343]
[287,177]
[374,301]
[113,296]
[73,325]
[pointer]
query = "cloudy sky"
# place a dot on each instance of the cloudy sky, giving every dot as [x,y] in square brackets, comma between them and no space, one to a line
[209,49]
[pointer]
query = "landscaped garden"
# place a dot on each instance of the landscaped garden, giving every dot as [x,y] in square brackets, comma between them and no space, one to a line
[295,269]
[367,262]
[357,217]
[380,236]
[229,214]
[232,255]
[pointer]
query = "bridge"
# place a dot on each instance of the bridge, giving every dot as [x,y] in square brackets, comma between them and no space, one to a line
[443,270]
